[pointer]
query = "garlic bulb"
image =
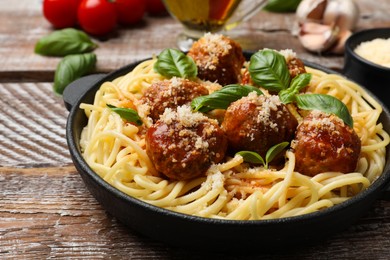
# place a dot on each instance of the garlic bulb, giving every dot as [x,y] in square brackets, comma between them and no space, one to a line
[325,25]
[344,13]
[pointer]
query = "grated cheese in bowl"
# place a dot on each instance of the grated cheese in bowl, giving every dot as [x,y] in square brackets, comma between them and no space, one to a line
[376,51]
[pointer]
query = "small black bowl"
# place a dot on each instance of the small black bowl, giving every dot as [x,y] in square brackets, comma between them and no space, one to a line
[374,77]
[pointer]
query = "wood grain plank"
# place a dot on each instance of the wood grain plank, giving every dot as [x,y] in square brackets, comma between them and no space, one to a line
[32,126]
[49,213]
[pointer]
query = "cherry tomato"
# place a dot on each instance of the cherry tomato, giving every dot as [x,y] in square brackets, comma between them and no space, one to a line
[97,17]
[61,13]
[155,7]
[130,11]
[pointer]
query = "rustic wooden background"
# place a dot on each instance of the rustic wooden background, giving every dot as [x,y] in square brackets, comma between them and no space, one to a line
[45,209]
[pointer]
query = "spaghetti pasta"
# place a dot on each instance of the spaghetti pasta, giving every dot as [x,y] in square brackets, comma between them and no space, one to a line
[115,150]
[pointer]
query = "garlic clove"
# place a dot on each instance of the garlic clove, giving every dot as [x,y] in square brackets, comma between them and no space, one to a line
[342,13]
[313,28]
[339,47]
[317,37]
[311,10]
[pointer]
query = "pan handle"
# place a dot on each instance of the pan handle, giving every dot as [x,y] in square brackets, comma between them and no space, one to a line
[78,88]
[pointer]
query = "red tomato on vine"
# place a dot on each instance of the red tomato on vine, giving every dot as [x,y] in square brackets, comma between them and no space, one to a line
[97,17]
[130,11]
[61,13]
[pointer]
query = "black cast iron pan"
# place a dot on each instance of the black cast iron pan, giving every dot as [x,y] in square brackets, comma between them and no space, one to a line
[198,233]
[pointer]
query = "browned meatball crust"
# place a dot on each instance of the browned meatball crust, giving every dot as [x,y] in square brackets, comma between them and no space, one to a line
[324,143]
[218,58]
[183,145]
[295,65]
[256,123]
[170,94]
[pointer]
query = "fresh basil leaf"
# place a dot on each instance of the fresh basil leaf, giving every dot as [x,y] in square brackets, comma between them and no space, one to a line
[128,114]
[325,103]
[222,98]
[268,68]
[64,42]
[274,151]
[252,157]
[174,63]
[296,85]
[72,67]
[282,5]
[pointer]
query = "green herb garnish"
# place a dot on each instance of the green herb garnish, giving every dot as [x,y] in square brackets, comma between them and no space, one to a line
[64,42]
[72,67]
[269,69]
[297,84]
[325,103]
[222,98]
[130,115]
[255,158]
[174,63]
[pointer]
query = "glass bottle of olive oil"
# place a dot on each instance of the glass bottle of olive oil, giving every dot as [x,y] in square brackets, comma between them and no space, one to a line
[202,15]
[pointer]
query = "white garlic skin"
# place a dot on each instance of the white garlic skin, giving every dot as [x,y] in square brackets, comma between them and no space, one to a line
[311,10]
[337,17]
[342,13]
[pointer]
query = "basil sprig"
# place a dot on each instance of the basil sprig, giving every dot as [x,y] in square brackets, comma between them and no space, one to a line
[325,103]
[253,157]
[297,84]
[174,63]
[72,67]
[268,69]
[222,98]
[128,114]
[64,42]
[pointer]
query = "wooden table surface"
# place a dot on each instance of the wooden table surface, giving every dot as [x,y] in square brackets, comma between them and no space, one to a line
[45,209]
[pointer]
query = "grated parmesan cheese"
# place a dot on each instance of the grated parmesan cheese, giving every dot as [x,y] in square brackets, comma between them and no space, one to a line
[217,43]
[214,46]
[376,51]
[184,115]
[323,121]
[288,54]
[215,179]
[184,119]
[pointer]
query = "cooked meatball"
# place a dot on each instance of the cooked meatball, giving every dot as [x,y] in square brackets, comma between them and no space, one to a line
[170,94]
[218,58]
[324,143]
[296,67]
[183,145]
[294,64]
[256,123]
